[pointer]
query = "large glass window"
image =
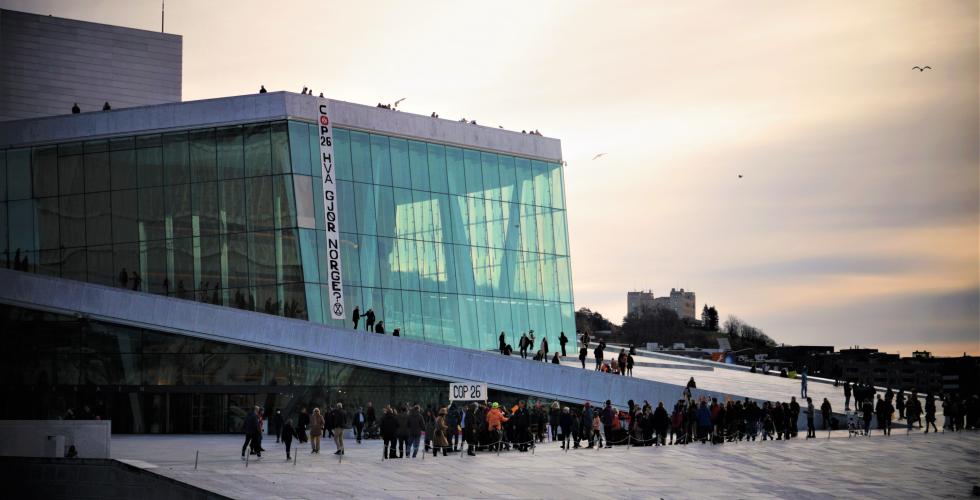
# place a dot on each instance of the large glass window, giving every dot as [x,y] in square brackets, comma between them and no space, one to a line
[449,244]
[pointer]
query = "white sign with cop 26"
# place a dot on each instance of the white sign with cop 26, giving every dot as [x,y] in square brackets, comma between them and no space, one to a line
[330,205]
[467,391]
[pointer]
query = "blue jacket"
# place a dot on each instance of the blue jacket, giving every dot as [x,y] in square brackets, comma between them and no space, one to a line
[704,416]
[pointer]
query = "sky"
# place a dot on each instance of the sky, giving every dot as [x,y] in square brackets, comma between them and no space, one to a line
[857,217]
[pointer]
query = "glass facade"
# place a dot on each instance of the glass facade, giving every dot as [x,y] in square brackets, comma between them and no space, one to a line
[152,382]
[450,245]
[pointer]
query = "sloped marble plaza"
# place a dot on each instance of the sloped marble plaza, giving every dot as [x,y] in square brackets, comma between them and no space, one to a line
[941,465]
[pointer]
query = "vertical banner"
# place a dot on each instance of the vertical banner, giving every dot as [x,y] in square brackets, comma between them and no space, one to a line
[328,176]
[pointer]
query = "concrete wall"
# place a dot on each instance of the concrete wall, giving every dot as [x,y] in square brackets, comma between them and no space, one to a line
[273,106]
[48,63]
[30,438]
[78,479]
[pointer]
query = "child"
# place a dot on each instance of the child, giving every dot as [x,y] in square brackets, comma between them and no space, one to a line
[596,429]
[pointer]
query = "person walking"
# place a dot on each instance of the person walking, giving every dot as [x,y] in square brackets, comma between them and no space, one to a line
[803,380]
[286,434]
[338,419]
[562,339]
[585,339]
[439,439]
[389,432]
[358,423]
[302,424]
[931,412]
[847,396]
[583,352]
[900,403]
[317,423]
[867,410]
[523,345]
[252,432]
[825,413]
[598,355]
[544,348]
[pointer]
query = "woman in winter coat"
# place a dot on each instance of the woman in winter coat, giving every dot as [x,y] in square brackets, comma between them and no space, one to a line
[316,430]
[439,437]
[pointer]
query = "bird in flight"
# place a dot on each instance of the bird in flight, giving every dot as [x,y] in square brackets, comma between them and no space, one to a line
[596,157]
[921,69]
[396,102]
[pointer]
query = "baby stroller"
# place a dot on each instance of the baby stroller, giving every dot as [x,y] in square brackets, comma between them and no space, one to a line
[854,424]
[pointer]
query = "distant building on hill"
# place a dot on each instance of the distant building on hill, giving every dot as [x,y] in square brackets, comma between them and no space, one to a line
[679,301]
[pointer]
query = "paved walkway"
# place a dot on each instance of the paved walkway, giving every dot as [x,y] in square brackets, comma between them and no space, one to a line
[919,466]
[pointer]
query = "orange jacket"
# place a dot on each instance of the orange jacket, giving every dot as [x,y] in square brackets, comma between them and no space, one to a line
[495,418]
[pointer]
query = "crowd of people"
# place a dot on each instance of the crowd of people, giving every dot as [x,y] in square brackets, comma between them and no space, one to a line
[489,426]
[407,429]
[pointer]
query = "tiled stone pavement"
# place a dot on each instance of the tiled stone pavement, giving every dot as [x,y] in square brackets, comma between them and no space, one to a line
[917,466]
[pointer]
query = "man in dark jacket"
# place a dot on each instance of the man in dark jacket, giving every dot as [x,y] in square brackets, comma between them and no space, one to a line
[369,417]
[402,418]
[369,320]
[338,420]
[356,316]
[389,432]
[252,433]
[660,423]
[286,433]
[608,414]
[522,426]
[415,426]
[358,424]
[563,340]
[565,421]
[275,426]
[301,425]
[470,430]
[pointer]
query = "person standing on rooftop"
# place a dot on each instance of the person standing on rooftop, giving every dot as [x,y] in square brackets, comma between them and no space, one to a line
[106,106]
[262,89]
[75,109]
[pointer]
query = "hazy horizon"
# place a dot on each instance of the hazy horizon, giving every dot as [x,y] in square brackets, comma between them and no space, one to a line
[856,221]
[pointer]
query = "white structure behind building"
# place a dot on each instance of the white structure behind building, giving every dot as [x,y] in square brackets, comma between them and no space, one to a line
[679,301]
[49,63]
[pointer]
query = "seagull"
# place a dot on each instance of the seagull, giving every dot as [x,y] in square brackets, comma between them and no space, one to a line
[596,157]
[923,68]
[396,102]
